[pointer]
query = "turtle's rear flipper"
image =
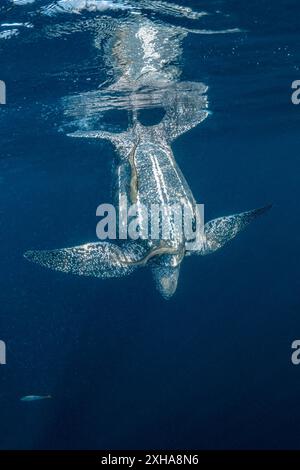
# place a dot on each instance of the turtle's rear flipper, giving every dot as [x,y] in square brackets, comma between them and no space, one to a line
[186,105]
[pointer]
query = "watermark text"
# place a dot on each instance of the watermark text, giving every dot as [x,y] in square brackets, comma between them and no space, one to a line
[2,92]
[2,352]
[169,222]
[296,94]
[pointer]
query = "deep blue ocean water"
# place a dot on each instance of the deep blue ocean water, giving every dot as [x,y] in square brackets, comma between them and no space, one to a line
[211,367]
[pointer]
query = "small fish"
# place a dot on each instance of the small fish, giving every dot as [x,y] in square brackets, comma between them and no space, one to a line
[35,397]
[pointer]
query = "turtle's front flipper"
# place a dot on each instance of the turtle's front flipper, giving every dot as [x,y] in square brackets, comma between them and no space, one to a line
[220,231]
[100,259]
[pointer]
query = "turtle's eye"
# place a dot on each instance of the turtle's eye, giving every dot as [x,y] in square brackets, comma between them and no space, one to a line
[151,116]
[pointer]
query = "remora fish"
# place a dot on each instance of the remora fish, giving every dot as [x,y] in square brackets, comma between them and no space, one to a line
[161,182]
[28,398]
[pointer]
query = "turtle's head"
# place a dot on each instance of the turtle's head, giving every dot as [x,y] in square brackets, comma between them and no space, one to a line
[166,278]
